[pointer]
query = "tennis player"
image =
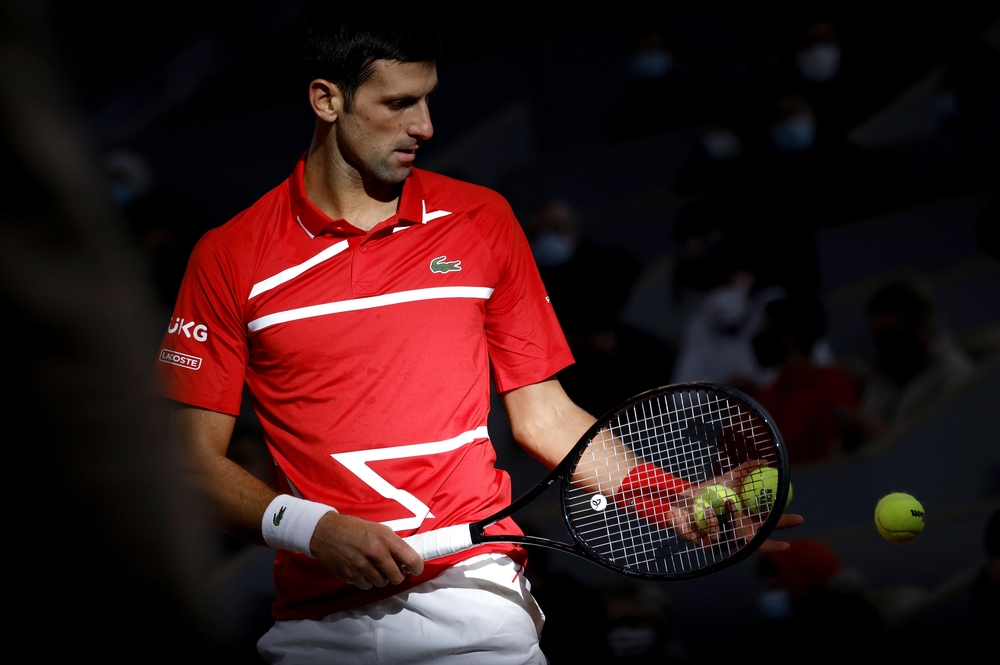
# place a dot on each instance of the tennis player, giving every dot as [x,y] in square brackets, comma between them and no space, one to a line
[363,303]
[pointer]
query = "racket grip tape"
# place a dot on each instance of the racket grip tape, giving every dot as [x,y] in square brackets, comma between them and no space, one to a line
[441,542]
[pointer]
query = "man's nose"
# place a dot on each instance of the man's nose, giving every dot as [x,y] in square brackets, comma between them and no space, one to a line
[421,126]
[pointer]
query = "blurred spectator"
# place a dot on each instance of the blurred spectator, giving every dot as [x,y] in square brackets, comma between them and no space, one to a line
[129,176]
[641,627]
[793,125]
[806,176]
[823,76]
[816,603]
[716,344]
[916,365]
[819,60]
[812,405]
[589,284]
[964,154]
[720,157]
[657,99]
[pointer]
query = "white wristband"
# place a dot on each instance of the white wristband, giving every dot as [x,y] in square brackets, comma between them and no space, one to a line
[289,523]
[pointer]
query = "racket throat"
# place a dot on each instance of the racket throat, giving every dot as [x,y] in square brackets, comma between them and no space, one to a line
[569,548]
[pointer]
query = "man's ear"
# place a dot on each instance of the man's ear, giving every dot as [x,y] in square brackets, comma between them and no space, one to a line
[326,100]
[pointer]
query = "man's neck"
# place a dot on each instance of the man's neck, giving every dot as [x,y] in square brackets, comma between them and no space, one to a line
[341,192]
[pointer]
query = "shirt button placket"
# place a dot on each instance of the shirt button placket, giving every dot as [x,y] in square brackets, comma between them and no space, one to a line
[364,275]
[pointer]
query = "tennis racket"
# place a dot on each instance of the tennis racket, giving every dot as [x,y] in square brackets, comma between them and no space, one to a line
[633,487]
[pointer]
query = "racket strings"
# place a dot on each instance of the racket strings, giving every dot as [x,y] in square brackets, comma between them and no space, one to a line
[697,436]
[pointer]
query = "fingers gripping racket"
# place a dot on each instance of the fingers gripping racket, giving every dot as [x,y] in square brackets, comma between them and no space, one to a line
[633,489]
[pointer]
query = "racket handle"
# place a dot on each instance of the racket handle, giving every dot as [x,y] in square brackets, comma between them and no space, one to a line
[441,542]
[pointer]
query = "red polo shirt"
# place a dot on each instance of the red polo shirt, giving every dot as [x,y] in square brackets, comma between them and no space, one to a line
[367,357]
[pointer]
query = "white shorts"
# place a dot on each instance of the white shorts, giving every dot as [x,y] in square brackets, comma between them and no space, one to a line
[479,611]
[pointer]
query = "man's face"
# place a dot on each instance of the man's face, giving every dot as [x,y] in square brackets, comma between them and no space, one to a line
[388,120]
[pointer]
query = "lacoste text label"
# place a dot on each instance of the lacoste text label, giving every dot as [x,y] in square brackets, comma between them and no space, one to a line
[180,359]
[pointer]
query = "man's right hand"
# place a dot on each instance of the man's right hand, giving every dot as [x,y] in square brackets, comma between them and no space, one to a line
[363,553]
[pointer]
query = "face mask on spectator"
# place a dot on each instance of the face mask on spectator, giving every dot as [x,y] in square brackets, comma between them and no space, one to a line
[726,307]
[628,641]
[552,249]
[776,604]
[818,63]
[650,64]
[122,194]
[794,134]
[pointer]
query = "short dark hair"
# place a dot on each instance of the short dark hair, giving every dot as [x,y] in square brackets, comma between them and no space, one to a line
[340,41]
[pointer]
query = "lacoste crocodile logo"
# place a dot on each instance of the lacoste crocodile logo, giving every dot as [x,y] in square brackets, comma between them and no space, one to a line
[441,265]
[277,516]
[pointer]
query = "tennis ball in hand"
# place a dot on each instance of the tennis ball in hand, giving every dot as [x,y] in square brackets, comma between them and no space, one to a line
[758,489]
[789,499]
[899,517]
[713,498]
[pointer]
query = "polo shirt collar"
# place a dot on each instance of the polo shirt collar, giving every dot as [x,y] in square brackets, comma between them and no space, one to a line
[314,221]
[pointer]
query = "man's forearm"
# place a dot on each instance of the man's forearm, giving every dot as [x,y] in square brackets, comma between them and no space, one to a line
[235,498]
[545,422]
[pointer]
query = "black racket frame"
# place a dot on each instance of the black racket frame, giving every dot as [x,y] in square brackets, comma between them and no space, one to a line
[579,546]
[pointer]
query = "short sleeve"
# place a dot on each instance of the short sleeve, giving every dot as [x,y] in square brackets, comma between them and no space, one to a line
[526,342]
[202,361]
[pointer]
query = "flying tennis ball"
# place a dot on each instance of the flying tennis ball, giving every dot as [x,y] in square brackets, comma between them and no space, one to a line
[713,498]
[759,488]
[899,517]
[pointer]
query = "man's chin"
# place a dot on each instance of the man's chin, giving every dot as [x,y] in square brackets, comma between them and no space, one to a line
[394,176]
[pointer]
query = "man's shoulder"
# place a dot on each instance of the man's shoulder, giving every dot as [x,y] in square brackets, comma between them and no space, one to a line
[442,190]
[237,247]
[245,229]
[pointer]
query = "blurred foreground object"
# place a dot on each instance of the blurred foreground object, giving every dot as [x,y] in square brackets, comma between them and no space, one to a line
[117,550]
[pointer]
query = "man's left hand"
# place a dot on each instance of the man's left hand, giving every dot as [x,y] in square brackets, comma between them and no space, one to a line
[786,521]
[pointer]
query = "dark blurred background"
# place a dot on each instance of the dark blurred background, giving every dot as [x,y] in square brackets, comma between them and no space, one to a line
[797,199]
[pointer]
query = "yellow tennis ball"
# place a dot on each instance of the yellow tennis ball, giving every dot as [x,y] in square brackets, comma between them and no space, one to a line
[899,517]
[758,489]
[713,498]
[701,508]
[789,499]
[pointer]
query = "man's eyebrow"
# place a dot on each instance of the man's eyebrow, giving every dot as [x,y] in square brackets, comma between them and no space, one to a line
[410,97]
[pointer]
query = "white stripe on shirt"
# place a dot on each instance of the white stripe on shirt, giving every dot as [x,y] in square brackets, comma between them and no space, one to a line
[293,272]
[434,293]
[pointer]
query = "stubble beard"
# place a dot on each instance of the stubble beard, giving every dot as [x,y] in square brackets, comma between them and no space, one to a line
[385,173]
